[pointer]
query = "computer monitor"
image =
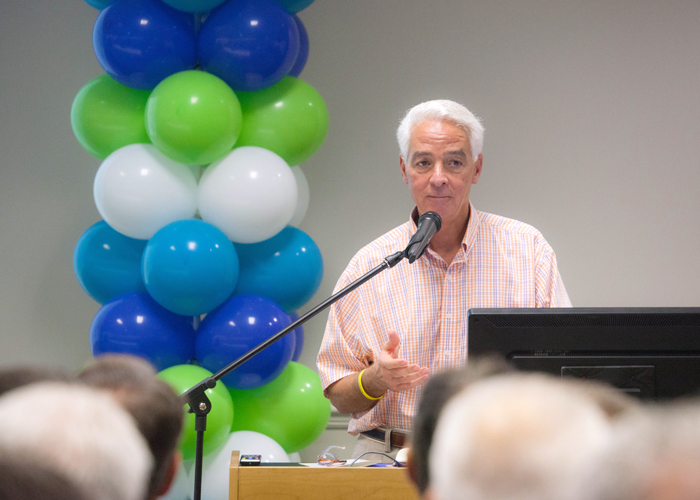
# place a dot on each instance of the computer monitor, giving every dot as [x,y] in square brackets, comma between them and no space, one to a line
[652,353]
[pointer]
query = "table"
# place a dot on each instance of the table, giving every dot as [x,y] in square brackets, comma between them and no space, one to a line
[309,483]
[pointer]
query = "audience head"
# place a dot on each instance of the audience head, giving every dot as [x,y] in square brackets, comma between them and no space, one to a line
[516,436]
[653,455]
[612,401]
[441,110]
[81,433]
[154,405]
[439,389]
[19,376]
[24,479]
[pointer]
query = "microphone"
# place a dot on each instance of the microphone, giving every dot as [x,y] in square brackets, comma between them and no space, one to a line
[428,224]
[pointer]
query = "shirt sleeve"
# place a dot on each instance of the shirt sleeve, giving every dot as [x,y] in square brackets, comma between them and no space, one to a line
[550,290]
[341,354]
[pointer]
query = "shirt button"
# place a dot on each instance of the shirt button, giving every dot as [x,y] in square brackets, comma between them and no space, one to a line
[448,315]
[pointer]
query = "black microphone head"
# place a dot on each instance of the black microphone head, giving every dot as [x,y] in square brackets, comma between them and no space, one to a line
[428,224]
[434,216]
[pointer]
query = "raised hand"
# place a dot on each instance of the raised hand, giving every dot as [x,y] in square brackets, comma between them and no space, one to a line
[390,372]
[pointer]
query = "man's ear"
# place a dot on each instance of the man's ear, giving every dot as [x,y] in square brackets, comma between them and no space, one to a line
[477,168]
[169,479]
[411,467]
[403,169]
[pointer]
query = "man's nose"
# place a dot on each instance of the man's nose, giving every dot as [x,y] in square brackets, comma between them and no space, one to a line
[439,177]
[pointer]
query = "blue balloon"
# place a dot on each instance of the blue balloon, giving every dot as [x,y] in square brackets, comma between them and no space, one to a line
[298,337]
[287,268]
[190,267]
[141,42]
[107,263]
[134,323]
[234,329]
[194,5]
[99,4]
[303,48]
[294,6]
[250,44]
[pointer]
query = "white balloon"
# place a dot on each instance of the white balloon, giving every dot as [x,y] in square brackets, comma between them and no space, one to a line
[302,196]
[250,194]
[295,457]
[215,468]
[181,489]
[138,190]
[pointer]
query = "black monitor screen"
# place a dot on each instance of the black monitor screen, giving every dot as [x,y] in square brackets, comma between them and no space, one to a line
[652,353]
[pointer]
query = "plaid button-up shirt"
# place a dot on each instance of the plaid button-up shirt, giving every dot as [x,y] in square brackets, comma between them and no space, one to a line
[502,263]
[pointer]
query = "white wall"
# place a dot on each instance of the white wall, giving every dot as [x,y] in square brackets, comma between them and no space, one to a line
[592,116]
[45,180]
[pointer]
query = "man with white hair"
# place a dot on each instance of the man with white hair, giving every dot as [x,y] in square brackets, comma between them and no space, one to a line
[653,455]
[516,437]
[79,432]
[384,339]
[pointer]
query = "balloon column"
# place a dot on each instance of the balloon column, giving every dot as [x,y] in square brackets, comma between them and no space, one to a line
[201,122]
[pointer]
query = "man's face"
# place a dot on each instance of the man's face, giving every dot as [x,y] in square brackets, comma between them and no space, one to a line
[440,170]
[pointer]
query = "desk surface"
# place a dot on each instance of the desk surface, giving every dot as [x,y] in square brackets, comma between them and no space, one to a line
[265,482]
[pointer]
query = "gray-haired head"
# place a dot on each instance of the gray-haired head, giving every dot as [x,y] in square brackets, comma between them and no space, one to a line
[516,437]
[153,404]
[79,432]
[22,479]
[441,110]
[436,393]
[654,455]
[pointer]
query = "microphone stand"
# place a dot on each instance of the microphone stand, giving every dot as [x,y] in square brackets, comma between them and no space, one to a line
[196,396]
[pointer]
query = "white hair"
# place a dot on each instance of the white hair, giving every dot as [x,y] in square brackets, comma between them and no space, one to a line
[650,452]
[441,110]
[81,433]
[517,436]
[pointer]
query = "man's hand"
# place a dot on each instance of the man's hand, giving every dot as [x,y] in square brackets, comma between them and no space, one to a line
[388,372]
[391,372]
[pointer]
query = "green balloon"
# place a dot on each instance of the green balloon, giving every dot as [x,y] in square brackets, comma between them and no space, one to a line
[193,117]
[289,118]
[181,378]
[291,409]
[107,115]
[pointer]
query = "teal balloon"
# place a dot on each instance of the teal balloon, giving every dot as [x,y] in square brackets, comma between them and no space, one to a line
[294,6]
[190,267]
[287,268]
[99,4]
[107,263]
[194,5]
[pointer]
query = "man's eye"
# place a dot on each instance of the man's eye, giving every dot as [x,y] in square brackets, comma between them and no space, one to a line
[455,163]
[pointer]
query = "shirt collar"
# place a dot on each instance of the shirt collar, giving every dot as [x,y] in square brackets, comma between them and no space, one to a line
[469,234]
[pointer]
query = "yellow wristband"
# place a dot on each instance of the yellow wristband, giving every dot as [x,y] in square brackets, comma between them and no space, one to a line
[362,389]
